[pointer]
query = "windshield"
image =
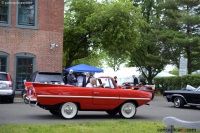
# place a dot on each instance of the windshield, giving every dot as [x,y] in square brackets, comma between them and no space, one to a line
[108,82]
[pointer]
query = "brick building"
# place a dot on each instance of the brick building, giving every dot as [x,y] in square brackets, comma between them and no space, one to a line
[31,37]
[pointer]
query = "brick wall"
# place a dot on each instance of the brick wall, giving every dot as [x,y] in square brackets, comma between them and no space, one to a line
[15,40]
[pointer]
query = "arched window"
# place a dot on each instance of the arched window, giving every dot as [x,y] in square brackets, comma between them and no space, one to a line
[4,61]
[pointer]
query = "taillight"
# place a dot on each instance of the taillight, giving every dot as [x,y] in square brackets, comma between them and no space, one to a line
[10,81]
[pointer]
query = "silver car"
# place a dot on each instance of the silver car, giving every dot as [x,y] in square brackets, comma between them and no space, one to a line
[6,87]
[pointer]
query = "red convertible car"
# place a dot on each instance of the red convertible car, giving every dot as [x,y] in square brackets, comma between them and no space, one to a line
[148,88]
[66,100]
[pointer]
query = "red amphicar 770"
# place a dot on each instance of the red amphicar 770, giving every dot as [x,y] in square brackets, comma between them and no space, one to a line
[66,100]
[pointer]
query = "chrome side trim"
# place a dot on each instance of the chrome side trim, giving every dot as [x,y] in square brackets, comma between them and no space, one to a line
[61,96]
[194,104]
[124,98]
[106,97]
[96,97]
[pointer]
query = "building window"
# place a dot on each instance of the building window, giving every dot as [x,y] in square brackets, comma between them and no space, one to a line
[24,67]
[4,57]
[23,71]
[3,64]
[4,12]
[27,13]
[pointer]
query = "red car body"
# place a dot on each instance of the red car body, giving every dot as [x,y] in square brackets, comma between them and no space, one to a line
[64,99]
[148,88]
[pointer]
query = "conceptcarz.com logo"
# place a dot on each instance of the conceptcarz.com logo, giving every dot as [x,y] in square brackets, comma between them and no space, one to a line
[15,3]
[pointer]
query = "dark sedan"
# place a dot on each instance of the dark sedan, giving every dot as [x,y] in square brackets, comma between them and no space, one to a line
[183,97]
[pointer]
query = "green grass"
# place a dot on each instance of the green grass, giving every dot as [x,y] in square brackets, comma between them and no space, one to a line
[122,126]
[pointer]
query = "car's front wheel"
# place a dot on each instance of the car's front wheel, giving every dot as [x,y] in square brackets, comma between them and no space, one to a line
[178,102]
[128,110]
[68,110]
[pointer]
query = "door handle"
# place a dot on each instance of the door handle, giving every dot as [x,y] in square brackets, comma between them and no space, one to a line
[96,93]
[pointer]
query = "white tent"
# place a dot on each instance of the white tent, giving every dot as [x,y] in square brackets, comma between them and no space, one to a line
[123,75]
[164,74]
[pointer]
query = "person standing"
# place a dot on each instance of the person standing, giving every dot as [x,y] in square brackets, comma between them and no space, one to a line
[86,79]
[115,79]
[135,80]
[71,80]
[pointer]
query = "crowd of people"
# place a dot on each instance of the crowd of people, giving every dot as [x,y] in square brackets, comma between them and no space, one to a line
[86,80]
[81,80]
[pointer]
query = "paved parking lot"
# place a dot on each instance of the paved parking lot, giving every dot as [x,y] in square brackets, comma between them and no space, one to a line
[18,112]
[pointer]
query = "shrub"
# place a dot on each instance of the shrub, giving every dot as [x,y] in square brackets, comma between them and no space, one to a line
[176,82]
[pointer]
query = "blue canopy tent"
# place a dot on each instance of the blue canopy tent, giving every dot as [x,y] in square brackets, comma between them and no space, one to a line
[84,68]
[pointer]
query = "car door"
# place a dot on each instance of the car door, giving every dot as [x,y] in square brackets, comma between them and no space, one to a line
[105,98]
[193,97]
[196,97]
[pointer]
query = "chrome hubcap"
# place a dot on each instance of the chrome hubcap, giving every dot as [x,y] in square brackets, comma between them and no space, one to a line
[68,110]
[177,102]
[128,109]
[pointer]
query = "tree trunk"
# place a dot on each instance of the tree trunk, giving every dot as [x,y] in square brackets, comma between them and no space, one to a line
[188,52]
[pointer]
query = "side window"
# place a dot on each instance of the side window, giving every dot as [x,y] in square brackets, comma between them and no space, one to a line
[27,13]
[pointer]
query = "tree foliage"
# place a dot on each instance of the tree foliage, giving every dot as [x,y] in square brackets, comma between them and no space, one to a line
[110,26]
[180,31]
[148,55]
[149,34]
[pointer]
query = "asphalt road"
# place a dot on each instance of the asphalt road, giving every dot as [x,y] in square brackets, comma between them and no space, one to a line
[19,113]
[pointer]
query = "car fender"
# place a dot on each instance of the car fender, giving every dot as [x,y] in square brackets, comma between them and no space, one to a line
[178,95]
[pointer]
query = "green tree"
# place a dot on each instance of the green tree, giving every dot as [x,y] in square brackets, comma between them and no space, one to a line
[110,26]
[175,71]
[180,33]
[76,43]
[115,58]
[148,56]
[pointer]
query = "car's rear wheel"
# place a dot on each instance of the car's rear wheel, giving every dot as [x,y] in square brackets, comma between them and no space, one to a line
[128,110]
[112,112]
[54,112]
[178,102]
[68,110]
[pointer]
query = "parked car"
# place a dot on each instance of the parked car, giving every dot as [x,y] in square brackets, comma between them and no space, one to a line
[66,100]
[148,88]
[41,77]
[190,96]
[6,87]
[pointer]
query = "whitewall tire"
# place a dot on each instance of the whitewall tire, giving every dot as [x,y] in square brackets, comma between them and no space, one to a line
[128,110]
[68,110]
